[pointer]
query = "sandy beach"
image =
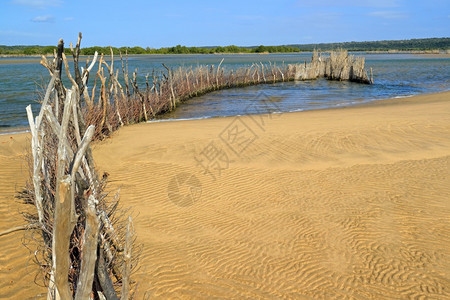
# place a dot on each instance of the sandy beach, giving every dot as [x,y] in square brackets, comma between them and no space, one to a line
[349,203]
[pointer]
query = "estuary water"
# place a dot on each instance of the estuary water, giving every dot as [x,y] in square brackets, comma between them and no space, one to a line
[395,75]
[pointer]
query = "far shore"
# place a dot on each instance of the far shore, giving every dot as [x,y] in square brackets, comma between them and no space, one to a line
[21,59]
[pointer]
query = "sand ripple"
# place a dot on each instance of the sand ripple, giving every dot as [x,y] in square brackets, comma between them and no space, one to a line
[354,210]
[335,204]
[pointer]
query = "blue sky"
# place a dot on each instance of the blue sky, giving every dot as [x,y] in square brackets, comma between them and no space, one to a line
[212,23]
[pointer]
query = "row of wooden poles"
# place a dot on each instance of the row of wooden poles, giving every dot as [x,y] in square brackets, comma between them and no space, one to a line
[110,104]
[86,242]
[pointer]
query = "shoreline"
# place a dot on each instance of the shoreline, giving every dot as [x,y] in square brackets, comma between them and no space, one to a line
[23,130]
[37,58]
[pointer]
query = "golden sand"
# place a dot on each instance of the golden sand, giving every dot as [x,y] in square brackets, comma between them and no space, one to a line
[349,203]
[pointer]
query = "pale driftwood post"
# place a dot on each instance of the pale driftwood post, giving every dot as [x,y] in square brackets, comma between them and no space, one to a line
[76,54]
[127,261]
[172,93]
[63,226]
[125,74]
[64,216]
[217,73]
[371,76]
[139,94]
[262,71]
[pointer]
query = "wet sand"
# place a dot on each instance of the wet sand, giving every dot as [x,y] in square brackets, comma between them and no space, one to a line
[348,203]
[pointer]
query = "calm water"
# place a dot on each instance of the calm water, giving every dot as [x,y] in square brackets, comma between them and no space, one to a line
[395,75]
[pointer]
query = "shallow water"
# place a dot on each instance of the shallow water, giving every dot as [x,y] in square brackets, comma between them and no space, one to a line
[395,75]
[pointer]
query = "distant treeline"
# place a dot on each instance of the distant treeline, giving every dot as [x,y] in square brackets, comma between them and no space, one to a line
[42,50]
[402,45]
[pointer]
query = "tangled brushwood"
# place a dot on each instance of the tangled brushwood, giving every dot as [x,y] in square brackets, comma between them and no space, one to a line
[110,103]
[86,246]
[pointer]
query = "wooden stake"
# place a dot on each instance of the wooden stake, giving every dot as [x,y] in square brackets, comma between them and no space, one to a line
[127,261]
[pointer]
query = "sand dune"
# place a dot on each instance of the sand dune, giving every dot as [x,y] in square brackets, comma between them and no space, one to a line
[346,203]
[17,271]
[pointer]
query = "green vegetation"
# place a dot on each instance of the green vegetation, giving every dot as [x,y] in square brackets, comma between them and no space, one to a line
[43,50]
[29,50]
[401,45]
[178,49]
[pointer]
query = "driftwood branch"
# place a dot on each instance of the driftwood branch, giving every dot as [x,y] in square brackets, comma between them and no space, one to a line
[125,73]
[76,54]
[61,91]
[84,79]
[36,149]
[103,277]
[89,250]
[127,261]
[81,150]
[19,228]
[172,92]
[67,71]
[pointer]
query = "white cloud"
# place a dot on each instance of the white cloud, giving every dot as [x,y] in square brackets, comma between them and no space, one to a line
[343,3]
[44,19]
[67,19]
[38,3]
[380,3]
[388,14]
